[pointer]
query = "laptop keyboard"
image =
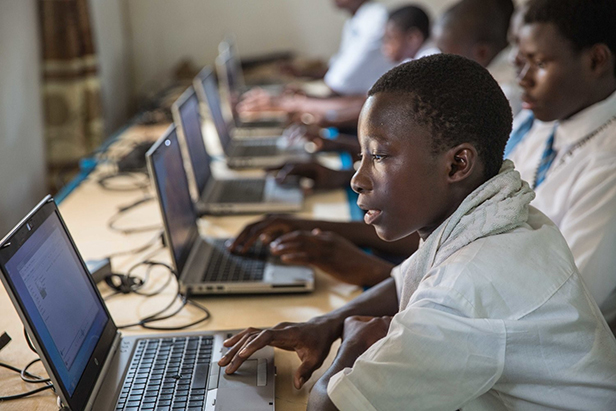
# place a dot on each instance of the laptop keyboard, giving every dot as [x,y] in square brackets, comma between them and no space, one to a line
[242,191]
[167,374]
[257,151]
[226,267]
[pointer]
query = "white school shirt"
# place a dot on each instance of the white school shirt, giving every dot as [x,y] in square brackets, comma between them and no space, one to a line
[579,194]
[503,324]
[359,62]
[505,74]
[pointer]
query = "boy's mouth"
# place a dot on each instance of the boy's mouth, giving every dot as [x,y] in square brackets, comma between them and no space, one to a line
[371,216]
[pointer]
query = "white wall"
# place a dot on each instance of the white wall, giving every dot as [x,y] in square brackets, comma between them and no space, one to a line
[163,31]
[22,166]
[109,25]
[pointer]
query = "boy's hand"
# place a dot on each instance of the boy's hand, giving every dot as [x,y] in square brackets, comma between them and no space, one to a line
[323,177]
[266,230]
[311,341]
[331,253]
[360,332]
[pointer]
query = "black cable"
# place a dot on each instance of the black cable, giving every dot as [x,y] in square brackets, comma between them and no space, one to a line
[131,230]
[32,378]
[25,394]
[137,250]
[158,316]
[103,181]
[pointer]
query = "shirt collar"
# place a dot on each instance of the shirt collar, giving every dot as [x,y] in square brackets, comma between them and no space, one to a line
[580,125]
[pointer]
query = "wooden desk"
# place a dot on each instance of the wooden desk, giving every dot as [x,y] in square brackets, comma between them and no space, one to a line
[86,212]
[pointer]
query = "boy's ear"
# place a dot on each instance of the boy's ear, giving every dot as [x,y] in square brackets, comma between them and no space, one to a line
[462,161]
[601,60]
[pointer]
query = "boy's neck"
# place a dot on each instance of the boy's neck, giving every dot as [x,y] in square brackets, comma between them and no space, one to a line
[598,95]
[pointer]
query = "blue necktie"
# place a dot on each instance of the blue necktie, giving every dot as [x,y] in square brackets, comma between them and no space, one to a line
[518,134]
[547,158]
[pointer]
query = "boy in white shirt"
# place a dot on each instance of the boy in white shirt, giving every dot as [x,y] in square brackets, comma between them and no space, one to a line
[490,312]
[564,142]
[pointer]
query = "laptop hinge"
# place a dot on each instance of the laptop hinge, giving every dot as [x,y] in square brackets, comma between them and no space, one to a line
[101,376]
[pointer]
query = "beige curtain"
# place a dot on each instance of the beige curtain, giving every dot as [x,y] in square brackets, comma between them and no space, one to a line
[71,87]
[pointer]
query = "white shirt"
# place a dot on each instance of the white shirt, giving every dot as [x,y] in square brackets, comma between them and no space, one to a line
[579,194]
[359,62]
[491,329]
[504,73]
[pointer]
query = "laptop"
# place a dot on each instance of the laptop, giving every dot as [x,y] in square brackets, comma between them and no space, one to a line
[239,153]
[205,266]
[208,93]
[230,76]
[91,364]
[226,196]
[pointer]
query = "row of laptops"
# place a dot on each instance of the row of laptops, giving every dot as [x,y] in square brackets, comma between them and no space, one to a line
[226,196]
[90,363]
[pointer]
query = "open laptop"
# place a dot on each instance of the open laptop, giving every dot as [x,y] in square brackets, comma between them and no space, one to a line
[230,76]
[205,266]
[208,93]
[91,365]
[227,196]
[240,149]
[239,153]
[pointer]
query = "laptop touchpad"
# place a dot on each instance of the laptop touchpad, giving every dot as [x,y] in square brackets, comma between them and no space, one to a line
[245,375]
[239,391]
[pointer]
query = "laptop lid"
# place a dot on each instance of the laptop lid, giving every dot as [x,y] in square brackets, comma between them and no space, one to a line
[208,90]
[58,302]
[177,209]
[188,121]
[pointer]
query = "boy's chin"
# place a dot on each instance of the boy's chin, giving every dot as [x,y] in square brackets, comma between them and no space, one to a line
[387,234]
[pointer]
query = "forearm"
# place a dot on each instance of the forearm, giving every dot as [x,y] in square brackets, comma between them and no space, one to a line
[380,300]
[319,399]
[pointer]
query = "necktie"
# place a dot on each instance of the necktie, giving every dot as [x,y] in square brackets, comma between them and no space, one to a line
[548,156]
[518,134]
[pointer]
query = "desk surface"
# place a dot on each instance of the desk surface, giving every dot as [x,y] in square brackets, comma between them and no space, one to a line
[86,212]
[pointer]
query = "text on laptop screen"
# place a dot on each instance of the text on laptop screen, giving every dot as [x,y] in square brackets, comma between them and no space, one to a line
[213,102]
[58,297]
[191,125]
[174,196]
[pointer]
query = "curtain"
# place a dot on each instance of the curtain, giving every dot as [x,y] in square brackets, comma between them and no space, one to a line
[71,86]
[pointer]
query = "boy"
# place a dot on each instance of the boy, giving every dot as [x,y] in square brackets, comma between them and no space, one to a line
[564,143]
[407,34]
[474,325]
[477,29]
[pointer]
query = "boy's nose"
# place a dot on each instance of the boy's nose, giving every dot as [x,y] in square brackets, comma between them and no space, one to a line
[360,183]
[524,78]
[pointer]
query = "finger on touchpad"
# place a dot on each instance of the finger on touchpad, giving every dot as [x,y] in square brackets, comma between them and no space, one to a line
[246,374]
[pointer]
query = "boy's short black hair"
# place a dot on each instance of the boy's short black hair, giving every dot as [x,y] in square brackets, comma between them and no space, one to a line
[457,100]
[583,22]
[411,16]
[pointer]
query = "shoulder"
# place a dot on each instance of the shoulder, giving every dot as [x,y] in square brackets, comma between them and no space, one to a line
[370,15]
[504,276]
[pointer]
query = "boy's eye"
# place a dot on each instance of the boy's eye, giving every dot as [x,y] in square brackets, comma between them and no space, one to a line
[540,64]
[378,157]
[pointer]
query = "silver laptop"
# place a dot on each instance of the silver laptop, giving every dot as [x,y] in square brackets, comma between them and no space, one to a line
[259,152]
[91,365]
[205,85]
[228,196]
[231,79]
[204,265]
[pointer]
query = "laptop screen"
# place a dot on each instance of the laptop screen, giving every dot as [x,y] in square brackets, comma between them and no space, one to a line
[213,103]
[190,122]
[56,294]
[174,197]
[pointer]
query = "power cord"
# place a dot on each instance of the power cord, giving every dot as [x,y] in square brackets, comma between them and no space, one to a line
[128,283]
[123,209]
[26,376]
